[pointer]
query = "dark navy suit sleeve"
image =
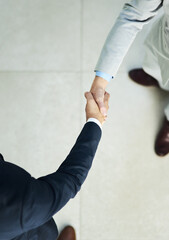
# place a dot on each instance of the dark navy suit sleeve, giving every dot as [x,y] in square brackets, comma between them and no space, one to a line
[47,195]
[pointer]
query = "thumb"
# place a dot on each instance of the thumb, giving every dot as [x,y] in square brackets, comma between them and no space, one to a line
[89,96]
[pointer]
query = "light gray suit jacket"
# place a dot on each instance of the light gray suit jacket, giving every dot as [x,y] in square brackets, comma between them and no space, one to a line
[131,20]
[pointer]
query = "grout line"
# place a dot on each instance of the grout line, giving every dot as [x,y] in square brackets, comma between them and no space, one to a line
[81,102]
[38,71]
[53,71]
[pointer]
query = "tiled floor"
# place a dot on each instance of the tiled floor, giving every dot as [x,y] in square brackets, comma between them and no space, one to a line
[48,50]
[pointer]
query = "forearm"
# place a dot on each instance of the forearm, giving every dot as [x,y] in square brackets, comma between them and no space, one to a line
[130,21]
[80,158]
[48,194]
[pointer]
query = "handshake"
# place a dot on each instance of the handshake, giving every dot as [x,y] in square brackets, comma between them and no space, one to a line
[97,100]
[95,106]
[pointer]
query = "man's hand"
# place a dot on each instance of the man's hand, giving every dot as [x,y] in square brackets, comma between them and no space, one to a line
[98,91]
[92,109]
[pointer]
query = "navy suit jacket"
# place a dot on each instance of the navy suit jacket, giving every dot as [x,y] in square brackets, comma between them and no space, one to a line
[28,204]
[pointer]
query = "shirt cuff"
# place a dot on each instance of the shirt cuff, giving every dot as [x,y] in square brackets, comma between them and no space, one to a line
[95,121]
[106,76]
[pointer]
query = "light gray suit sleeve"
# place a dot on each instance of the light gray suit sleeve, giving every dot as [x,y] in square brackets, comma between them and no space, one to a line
[130,21]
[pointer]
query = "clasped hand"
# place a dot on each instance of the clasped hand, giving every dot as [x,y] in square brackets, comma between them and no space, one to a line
[97,100]
[92,108]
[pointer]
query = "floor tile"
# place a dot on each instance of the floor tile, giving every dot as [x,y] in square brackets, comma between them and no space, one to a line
[126,194]
[40,121]
[40,35]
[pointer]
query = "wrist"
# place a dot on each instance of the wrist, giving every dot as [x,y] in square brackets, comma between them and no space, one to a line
[95,121]
[99,82]
[99,118]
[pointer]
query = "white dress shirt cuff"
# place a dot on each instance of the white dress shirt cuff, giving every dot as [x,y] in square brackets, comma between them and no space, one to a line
[96,121]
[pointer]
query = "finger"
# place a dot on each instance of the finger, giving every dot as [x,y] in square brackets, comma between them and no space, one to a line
[102,108]
[106,99]
[106,96]
[99,95]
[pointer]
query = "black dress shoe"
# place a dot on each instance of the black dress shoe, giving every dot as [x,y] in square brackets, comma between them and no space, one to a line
[162,140]
[68,233]
[142,78]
